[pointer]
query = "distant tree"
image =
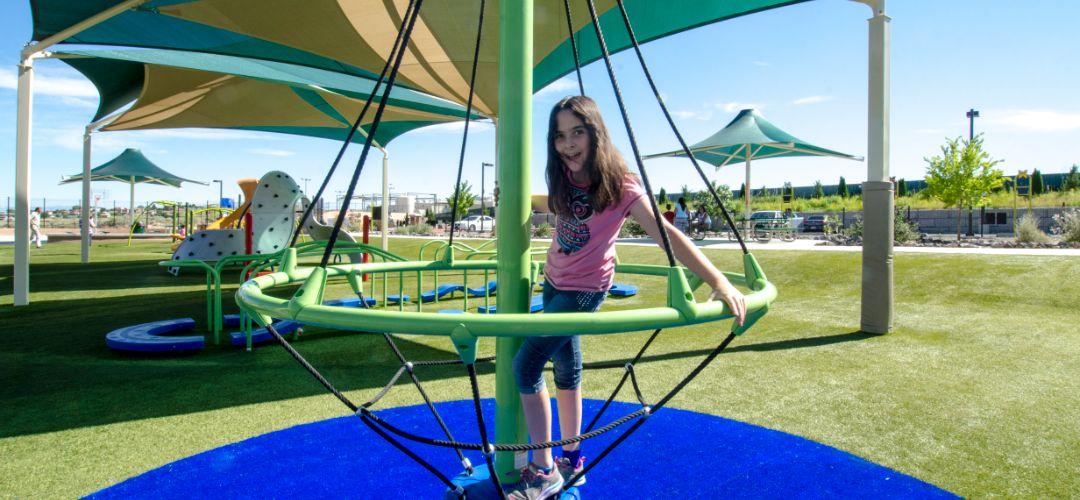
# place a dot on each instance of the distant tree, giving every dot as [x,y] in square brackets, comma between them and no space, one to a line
[962,176]
[686,193]
[461,200]
[819,190]
[788,191]
[742,190]
[1072,181]
[705,199]
[429,216]
[842,188]
[662,199]
[1037,184]
[901,187]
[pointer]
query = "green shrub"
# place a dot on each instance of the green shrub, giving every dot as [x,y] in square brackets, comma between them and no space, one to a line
[421,228]
[1027,230]
[855,229]
[631,229]
[903,229]
[542,231]
[1067,224]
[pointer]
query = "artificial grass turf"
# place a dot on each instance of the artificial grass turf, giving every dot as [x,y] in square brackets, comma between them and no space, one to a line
[974,392]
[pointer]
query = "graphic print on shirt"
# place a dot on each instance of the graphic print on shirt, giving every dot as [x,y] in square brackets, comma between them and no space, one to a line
[572,233]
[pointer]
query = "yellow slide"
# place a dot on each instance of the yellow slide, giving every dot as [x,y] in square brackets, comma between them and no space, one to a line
[233,219]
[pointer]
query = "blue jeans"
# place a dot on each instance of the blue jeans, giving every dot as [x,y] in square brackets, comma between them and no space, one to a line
[564,351]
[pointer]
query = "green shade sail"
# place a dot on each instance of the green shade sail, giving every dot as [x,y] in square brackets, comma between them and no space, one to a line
[751,137]
[131,166]
[176,89]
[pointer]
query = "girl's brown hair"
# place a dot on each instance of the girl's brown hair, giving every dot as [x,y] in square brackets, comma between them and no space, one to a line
[605,166]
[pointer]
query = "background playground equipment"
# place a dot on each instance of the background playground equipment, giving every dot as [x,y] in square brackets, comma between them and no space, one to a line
[270,215]
[181,214]
[319,230]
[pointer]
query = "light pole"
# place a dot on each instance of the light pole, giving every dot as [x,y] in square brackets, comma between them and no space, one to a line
[483,209]
[972,114]
[221,191]
[305,179]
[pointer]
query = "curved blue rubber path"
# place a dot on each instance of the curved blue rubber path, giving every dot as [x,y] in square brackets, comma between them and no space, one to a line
[677,454]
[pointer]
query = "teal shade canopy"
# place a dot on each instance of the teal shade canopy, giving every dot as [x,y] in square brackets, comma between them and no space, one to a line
[168,86]
[131,167]
[353,37]
[751,137]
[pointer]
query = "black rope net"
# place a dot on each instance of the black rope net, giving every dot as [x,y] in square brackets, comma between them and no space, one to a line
[395,435]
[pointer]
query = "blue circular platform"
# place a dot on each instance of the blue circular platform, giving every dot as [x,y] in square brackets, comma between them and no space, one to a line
[677,454]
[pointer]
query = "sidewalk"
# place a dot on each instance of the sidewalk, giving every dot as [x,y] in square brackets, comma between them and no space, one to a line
[814,245]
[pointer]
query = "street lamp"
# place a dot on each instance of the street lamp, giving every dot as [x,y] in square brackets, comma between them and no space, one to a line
[483,209]
[221,191]
[972,114]
[305,179]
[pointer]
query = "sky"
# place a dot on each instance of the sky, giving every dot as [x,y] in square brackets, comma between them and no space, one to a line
[804,67]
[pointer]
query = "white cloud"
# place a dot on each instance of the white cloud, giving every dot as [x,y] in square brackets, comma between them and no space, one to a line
[271,152]
[71,138]
[762,63]
[735,106]
[813,99]
[455,128]
[76,102]
[48,83]
[561,87]
[1034,120]
[693,115]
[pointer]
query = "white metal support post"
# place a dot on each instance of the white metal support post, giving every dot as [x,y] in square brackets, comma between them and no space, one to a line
[877,262]
[384,214]
[22,180]
[22,142]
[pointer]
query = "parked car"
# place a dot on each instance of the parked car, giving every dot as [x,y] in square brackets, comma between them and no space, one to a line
[475,223]
[769,219]
[815,223]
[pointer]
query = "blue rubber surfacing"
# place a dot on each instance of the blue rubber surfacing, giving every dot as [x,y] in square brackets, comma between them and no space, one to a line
[676,454]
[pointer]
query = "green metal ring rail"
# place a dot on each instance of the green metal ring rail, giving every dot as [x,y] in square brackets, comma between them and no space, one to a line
[306,304]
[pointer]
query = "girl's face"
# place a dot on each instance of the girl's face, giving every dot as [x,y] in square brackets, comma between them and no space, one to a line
[573,144]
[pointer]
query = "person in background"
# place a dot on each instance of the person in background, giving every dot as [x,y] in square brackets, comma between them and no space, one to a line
[701,219]
[682,215]
[669,214]
[35,227]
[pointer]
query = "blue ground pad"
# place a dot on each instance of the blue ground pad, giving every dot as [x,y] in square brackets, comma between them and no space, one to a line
[676,454]
[441,291]
[150,337]
[479,291]
[230,320]
[536,305]
[260,335]
[622,290]
[394,299]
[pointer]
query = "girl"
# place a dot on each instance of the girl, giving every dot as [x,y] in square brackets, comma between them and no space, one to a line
[682,215]
[591,191]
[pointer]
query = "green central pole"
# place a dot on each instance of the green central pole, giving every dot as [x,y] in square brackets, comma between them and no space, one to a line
[513,134]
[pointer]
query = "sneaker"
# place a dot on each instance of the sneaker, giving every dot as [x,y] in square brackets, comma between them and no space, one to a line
[536,484]
[567,470]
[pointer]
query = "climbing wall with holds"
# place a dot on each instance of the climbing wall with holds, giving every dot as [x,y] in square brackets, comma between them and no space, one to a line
[273,213]
[272,219]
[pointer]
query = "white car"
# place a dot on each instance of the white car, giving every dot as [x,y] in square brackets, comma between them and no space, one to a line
[774,218]
[475,223]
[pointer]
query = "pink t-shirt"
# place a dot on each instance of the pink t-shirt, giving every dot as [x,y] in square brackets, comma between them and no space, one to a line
[582,253]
